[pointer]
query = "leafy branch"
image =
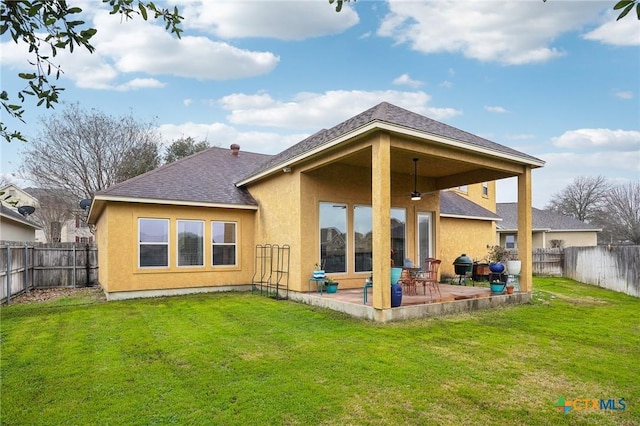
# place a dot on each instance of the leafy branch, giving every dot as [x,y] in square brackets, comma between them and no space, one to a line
[52,25]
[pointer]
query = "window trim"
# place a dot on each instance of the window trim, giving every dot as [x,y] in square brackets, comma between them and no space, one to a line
[235,243]
[202,222]
[168,223]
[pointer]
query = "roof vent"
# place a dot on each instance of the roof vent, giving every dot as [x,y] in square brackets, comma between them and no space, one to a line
[235,149]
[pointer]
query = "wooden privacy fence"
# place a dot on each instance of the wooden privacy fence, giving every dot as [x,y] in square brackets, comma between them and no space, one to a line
[548,262]
[616,268]
[28,266]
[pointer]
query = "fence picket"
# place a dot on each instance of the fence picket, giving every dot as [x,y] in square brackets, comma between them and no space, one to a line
[29,266]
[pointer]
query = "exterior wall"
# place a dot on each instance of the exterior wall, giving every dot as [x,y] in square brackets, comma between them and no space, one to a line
[573,239]
[464,236]
[539,239]
[118,243]
[474,193]
[12,231]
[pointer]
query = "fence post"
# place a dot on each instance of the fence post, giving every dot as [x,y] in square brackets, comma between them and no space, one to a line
[8,274]
[74,265]
[87,266]
[26,267]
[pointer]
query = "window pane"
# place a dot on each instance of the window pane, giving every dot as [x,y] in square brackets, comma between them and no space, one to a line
[154,231]
[333,241]
[398,226]
[224,255]
[424,238]
[363,238]
[190,240]
[223,232]
[153,255]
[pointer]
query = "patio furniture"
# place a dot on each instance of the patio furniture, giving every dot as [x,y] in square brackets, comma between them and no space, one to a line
[319,282]
[368,284]
[408,280]
[429,277]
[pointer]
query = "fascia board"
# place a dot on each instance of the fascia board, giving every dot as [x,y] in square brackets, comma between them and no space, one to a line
[461,216]
[171,202]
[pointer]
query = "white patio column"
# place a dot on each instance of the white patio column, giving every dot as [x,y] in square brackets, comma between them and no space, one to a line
[381,206]
[525,234]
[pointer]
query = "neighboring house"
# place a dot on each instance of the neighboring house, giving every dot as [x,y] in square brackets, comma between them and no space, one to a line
[468,226]
[549,229]
[65,224]
[356,179]
[16,227]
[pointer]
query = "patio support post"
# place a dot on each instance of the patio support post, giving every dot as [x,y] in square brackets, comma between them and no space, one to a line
[525,235]
[381,211]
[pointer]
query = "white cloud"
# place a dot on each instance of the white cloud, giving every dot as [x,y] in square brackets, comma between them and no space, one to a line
[223,135]
[322,110]
[287,20]
[617,33]
[623,94]
[187,102]
[586,139]
[446,84]
[514,32]
[144,47]
[497,109]
[406,80]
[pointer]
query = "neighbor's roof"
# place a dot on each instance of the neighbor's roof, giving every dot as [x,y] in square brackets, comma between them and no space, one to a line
[542,220]
[390,117]
[9,214]
[456,206]
[204,178]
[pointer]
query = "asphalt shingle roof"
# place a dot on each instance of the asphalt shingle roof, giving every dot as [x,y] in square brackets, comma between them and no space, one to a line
[204,177]
[541,219]
[388,113]
[14,215]
[457,205]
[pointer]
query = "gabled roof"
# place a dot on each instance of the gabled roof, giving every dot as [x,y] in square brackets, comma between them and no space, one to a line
[389,117]
[204,178]
[9,214]
[542,220]
[457,206]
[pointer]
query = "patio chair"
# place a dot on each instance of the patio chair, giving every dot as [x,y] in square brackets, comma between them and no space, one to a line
[429,276]
[407,282]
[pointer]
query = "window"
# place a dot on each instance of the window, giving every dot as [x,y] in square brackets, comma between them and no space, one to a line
[362,238]
[190,243]
[153,243]
[485,189]
[510,241]
[333,233]
[223,241]
[425,237]
[398,226]
[463,188]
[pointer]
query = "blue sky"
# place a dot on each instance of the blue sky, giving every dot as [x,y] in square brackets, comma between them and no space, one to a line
[558,80]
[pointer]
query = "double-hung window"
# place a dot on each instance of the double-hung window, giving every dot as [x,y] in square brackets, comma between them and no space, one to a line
[153,243]
[190,243]
[224,244]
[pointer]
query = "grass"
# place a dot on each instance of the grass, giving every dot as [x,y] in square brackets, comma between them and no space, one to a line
[244,359]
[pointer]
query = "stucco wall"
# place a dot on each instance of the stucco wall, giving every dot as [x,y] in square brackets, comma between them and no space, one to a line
[463,236]
[573,239]
[12,231]
[119,269]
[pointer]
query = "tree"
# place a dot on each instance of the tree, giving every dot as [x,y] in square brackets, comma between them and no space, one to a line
[138,160]
[45,26]
[86,151]
[583,199]
[626,6]
[55,208]
[183,147]
[623,212]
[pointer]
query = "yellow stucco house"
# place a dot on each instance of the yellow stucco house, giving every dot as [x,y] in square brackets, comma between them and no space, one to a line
[344,197]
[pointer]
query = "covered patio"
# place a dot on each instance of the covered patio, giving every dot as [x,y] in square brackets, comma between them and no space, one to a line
[453,299]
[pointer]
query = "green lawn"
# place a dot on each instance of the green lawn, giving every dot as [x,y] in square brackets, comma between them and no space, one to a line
[248,360]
